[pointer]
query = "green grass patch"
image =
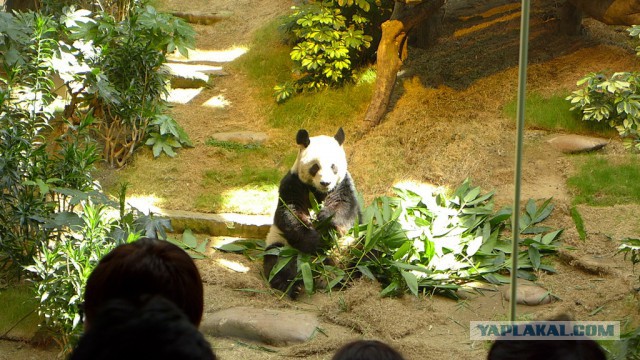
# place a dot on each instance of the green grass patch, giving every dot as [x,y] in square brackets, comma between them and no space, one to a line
[244,199]
[604,182]
[18,317]
[251,191]
[268,63]
[326,109]
[230,145]
[552,113]
[247,176]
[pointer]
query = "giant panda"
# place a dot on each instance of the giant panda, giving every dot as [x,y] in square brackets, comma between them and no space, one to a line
[320,168]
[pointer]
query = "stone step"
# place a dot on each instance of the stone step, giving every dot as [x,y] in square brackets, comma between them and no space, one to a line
[202,18]
[191,76]
[276,327]
[235,225]
[200,56]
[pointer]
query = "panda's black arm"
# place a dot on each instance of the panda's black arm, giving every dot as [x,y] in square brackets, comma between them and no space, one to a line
[292,215]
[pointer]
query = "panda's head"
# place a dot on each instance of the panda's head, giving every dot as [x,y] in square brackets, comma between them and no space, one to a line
[321,161]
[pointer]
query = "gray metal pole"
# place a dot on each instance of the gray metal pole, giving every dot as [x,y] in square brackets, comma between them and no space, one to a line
[522,83]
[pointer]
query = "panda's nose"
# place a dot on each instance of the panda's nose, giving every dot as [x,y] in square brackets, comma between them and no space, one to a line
[325,183]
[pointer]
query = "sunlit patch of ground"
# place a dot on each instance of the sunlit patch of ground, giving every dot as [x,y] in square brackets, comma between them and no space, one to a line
[217,56]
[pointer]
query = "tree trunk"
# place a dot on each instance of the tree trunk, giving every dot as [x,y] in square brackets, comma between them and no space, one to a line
[20,5]
[611,12]
[570,19]
[392,51]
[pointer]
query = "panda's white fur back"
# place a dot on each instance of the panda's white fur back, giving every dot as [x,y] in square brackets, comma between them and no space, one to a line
[275,236]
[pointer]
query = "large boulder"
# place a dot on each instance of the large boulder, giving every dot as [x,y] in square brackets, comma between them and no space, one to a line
[272,327]
[572,143]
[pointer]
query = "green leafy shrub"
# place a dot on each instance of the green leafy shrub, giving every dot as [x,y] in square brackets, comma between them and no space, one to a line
[614,99]
[26,167]
[113,69]
[629,345]
[122,77]
[62,269]
[600,181]
[54,222]
[329,40]
[116,8]
[80,238]
[451,240]
[631,247]
[416,243]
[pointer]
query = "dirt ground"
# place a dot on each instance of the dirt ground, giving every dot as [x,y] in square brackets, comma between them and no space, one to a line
[445,123]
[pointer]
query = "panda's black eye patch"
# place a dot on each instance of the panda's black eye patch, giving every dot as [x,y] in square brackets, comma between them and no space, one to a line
[314,169]
[334,168]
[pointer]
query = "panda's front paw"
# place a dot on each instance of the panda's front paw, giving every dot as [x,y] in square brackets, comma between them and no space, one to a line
[324,221]
[315,241]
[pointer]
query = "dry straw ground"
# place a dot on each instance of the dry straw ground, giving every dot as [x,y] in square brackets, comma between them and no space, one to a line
[445,123]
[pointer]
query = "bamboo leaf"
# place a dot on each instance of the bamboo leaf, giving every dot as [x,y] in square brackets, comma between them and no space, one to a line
[472,194]
[402,250]
[531,208]
[545,210]
[474,245]
[366,272]
[535,230]
[368,237]
[189,239]
[307,277]
[202,247]
[282,262]
[391,288]
[411,280]
[534,256]
[549,237]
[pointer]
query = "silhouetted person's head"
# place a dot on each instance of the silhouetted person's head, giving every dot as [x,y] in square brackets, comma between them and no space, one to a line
[144,268]
[546,350]
[367,350]
[154,328]
[586,349]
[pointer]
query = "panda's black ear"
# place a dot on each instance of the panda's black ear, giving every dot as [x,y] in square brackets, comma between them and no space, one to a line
[303,138]
[339,136]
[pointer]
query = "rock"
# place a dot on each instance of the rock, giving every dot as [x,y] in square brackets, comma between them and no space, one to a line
[242,137]
[209,56]
[272,327]
[570,144]
[239,225]
[202,18]
[189,76]
[528,294]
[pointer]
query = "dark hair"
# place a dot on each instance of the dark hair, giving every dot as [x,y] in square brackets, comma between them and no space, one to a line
[546,350]
[585,349]
[367,350]
[155,329]
[145,268]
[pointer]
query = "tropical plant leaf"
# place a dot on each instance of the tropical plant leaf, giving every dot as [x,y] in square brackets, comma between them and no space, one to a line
[307,277]
[411,280]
